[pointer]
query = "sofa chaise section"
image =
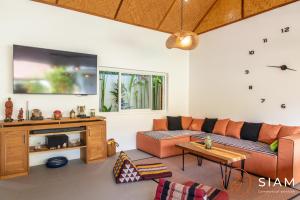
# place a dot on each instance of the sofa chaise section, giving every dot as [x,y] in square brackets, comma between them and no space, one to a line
[162,143]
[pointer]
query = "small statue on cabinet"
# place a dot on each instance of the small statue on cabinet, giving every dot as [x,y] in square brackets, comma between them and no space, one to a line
[21,115]
[36,115]
[8,110]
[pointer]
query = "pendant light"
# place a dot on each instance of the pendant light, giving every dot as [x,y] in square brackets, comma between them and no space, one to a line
[185,40]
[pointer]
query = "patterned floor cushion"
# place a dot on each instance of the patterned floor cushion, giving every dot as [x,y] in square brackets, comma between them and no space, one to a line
[153,171]
[167,190]
[212,193]
[125,171]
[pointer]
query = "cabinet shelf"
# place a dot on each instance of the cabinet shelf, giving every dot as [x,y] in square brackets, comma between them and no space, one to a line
[57,133]
[43,150]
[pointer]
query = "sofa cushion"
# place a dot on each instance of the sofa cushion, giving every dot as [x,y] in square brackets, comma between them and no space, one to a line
[174,123]
[160,125]
[186,122]
[196,124]
[250,131]
[209,124]
[238,143]
[169,134]
[268,133]
[234,129]
[288,130]
[220,126]
[274,146]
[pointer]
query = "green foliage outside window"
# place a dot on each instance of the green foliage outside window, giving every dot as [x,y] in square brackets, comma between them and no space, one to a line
[135,92]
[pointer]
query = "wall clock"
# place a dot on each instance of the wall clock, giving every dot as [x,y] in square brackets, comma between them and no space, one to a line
[283,68]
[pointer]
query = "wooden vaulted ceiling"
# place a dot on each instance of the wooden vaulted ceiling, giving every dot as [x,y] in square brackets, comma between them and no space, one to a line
[164,15]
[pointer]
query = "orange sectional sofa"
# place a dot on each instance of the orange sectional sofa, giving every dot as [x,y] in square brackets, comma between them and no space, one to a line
[283,164]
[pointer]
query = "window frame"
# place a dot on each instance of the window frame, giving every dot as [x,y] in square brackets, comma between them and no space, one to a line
[121,71]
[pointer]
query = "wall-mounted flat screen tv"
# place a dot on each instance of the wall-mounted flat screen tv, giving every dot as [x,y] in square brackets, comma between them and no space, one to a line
[46,71]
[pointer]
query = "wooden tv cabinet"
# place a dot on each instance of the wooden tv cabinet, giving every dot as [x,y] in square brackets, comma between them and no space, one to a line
[14,142]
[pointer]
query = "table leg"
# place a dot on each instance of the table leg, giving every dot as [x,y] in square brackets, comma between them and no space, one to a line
[199,159]
[226,173]
[243,168]
[182,160]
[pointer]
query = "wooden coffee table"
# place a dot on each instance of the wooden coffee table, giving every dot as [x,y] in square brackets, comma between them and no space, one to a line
[225,157]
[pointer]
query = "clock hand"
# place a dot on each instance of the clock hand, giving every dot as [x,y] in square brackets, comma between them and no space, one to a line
[275,66]
[291,69]
[283,68]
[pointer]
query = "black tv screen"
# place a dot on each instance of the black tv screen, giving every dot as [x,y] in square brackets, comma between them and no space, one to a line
[46,71]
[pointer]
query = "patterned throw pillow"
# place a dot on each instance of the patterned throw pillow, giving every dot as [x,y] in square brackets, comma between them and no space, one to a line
[125,171]
[173,191]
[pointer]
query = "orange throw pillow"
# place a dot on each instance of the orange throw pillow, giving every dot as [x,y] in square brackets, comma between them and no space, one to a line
[196,124]
[220,126]
[160,124]
[234,129]
[186,122]
[288,130]
[268,133]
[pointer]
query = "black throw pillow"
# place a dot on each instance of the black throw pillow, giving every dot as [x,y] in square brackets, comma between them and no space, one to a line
[250,131]
[174,123]
[208,125]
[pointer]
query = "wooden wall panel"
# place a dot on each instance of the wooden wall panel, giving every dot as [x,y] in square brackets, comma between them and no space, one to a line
[105,8]
[223,12]
[148,13]
[252,7]
[193,11]
[48,1]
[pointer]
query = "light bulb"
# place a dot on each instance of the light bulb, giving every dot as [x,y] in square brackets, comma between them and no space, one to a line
[186,41]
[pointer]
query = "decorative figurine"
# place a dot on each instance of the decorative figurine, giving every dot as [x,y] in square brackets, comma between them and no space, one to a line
[81,112]
[21,115]
[57,115]
[72,114]
[208,142]
[93,113]
[8,110]
[36,115]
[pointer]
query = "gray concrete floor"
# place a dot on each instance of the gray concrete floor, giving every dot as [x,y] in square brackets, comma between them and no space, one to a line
[76,181]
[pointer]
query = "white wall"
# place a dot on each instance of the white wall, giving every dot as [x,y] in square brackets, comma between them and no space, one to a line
[28,23]
[218,85]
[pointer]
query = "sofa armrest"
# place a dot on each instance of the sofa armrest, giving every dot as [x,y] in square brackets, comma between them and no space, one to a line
[289,158]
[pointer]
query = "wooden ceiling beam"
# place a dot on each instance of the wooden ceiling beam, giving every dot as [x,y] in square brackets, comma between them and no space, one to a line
[243,9]
[202,18]
[167,13]
[118,9]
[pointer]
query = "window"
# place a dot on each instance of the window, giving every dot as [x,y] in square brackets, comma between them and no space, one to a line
[109,91]
[122,90]
[157,92]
